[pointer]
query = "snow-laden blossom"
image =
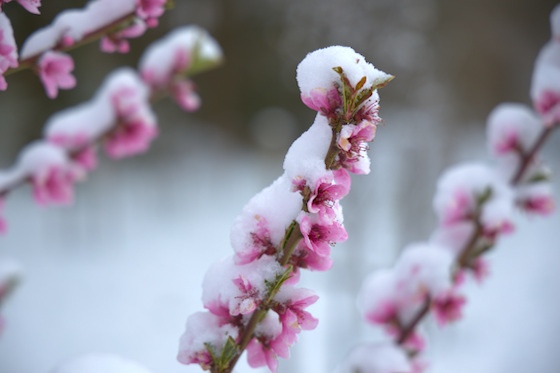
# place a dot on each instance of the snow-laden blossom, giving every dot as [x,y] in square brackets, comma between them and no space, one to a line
[376,358]
[184,93]
[318,236]
[120,114]
[99,362]
[262,350]
[150,10]
[545,83]
[51,173]
[246,289]
[136,125]
[326,102]
[390,298]
[117,41]
[166,63]
[32,6]
[474,191]
[318,89]
[204,330]
[291,306]
[322,197]
[447,307]
[8,49]
[55,72]
[536,198]
[81,151]
[512,128]
[262,224]
[352,142]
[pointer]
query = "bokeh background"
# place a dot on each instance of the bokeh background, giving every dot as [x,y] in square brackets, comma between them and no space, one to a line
[121,270]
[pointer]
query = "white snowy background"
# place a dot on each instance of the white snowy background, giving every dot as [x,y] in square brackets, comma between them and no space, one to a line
[121,270]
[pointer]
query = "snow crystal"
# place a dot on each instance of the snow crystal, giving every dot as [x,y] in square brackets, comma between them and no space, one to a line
[99,363]
[316,69]
[76,23]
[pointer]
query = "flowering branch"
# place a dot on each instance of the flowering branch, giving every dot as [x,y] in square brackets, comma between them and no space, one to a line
[474,204]
[119,117]
[251,299]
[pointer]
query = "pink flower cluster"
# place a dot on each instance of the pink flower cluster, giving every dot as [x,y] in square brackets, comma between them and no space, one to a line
[474,204]
[251,297]
[119,117]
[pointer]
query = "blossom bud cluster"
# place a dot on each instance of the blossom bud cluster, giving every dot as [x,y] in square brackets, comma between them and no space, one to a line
[474,204]
[114,21]
[119,117]
[251,297]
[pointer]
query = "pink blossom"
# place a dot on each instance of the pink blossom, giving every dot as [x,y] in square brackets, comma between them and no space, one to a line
[184,93]
[458,208]
[352,137]
[260,244]
[54,71]
[248,301]
[447,307]
[130,138]
[385,313]
[318,237]
[81,151]
[204,330]
[539,204]
[150,10]
[291,309]
[6,52]
[547,104]
[136,127]
[54,185]
[304,258]
[369,111]
[481,269]
[259,354]
[326,102]
[352,143]
[326,194]
[117,42]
